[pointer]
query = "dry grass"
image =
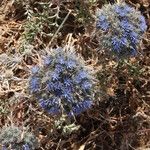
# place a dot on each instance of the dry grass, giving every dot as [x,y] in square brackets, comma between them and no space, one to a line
[120,119]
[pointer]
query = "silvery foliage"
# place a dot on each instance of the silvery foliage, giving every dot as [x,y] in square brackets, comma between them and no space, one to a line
[14,138]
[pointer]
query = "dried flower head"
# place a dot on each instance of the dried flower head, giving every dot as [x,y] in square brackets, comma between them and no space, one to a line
[121,28]
[63,83]
[14,138]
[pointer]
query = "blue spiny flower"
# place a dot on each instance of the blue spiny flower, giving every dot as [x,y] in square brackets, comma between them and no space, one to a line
[63,83]
[124,27]
[11,137]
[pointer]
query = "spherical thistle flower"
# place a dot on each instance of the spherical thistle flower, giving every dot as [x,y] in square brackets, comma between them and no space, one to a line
[17,139]
[64,83]
[120,29]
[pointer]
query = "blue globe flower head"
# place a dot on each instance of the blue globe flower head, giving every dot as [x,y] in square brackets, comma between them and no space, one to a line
[124,27]
[63,84]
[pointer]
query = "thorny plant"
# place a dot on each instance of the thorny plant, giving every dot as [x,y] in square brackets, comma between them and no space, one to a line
[9,65]
[42,24]
[12,137]
[121,27]
[64,83]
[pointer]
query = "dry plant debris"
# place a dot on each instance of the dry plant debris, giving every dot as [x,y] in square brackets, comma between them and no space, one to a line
[119,117]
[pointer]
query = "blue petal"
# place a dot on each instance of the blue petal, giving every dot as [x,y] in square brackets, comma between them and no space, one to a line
[4,148]
[47,60]
[50,86]
[51,105]
[116,44]
[102,18]
[134,37]
[35,69]
[80,76]
[67,93]
[61,60]
[82,106]
[68,81]
[59,68]
[34,84]
[58,92]
[26,147]
[102,23]
[143,25]
[86,85]
[55,76]
[70,64]
[126,25]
